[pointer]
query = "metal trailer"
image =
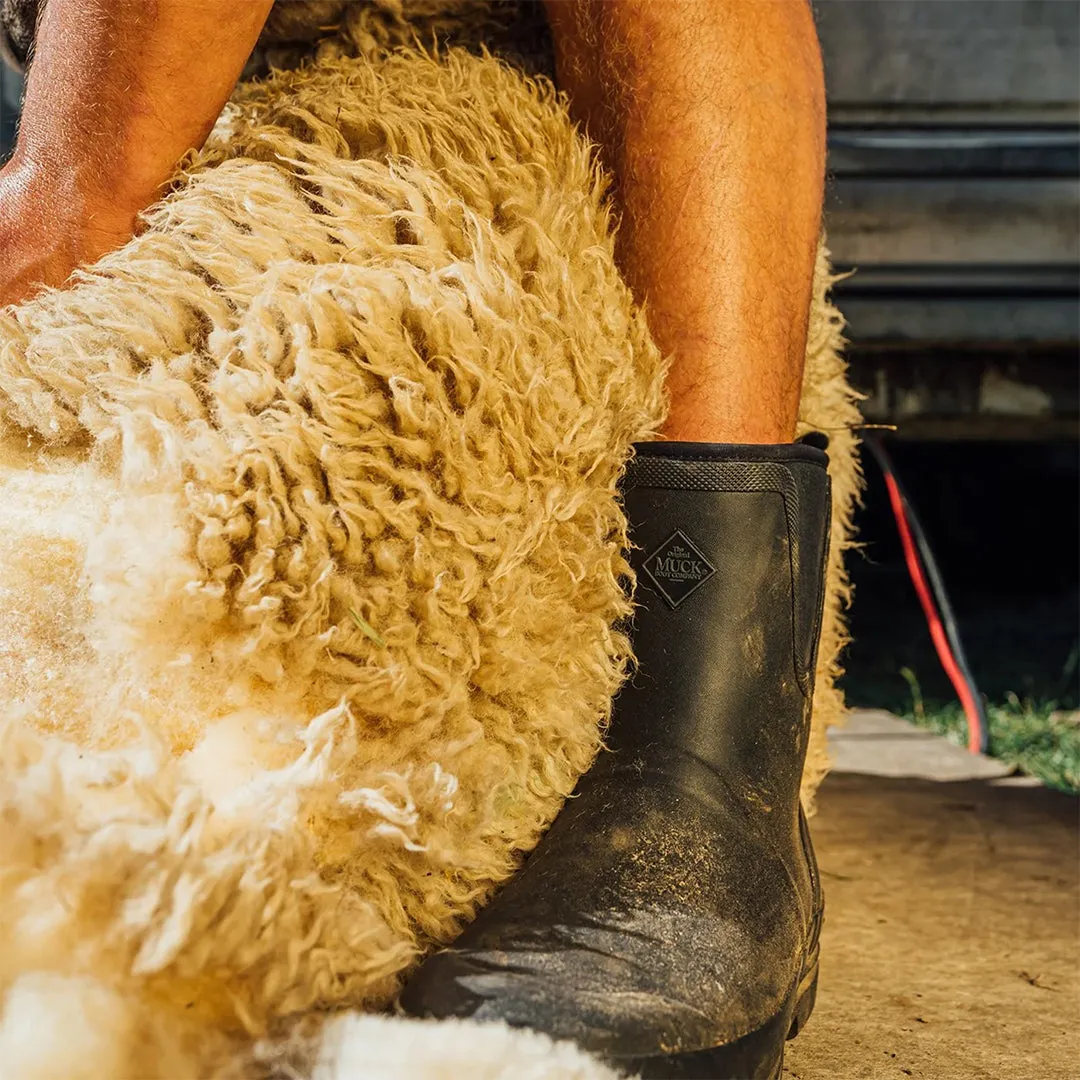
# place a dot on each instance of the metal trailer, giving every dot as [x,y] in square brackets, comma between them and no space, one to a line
[953,196]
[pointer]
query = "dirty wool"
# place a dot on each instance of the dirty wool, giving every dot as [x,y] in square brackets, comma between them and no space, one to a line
[311,569]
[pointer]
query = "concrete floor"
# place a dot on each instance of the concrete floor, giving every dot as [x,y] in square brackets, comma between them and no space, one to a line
[952,914]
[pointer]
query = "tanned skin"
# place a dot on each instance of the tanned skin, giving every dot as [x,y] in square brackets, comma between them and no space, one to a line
[711,116]
[709,113]
[118,92]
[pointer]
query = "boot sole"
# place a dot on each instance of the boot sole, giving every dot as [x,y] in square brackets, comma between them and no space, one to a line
[758,1055]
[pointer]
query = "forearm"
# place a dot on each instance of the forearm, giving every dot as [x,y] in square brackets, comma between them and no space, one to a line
[711,115]
[118,91]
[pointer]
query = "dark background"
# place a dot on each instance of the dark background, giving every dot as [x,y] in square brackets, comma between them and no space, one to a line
[1004,524]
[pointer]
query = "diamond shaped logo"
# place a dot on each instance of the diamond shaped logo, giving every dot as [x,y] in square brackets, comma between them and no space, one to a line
[677,568]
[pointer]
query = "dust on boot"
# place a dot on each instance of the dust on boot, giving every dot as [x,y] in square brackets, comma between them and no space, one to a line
[669,920]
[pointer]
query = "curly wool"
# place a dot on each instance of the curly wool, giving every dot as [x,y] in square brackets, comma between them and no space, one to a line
[352,410]
[314,559]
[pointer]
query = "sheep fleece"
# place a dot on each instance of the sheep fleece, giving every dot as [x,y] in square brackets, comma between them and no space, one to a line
[311,567]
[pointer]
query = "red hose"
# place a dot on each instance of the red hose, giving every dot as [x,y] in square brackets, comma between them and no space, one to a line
[937,631]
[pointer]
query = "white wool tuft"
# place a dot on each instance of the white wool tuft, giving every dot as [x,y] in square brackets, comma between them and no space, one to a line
[377,1048]
[58,1028]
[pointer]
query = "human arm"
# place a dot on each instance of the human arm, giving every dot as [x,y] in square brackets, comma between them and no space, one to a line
[117,92]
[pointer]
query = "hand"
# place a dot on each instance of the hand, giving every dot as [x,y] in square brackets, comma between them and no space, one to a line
[48,228]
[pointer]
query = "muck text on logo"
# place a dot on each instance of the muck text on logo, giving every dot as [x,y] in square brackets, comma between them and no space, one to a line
[677,568]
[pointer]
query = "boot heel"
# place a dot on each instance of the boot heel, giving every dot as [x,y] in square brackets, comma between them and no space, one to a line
[759,1055]
[804,1004]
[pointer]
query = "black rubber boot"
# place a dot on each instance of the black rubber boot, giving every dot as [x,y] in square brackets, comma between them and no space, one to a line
[669,919]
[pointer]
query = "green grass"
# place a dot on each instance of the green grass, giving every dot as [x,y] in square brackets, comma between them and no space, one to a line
[1035,736]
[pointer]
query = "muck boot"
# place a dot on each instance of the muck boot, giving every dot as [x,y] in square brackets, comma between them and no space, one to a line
[668,921]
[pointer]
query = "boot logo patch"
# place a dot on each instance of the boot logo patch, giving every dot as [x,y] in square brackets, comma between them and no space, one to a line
[677,568]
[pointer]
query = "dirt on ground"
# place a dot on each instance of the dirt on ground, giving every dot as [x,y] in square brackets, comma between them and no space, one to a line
[952,936]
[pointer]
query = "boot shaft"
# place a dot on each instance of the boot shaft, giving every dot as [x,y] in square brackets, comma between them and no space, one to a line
[729,549]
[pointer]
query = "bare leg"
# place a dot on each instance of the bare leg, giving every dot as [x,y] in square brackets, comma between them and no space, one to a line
[711,115]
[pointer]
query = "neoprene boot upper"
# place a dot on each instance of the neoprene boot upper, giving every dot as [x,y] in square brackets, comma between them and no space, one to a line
[669,919]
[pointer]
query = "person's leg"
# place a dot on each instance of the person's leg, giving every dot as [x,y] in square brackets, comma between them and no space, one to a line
[669,919]
[711,116]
